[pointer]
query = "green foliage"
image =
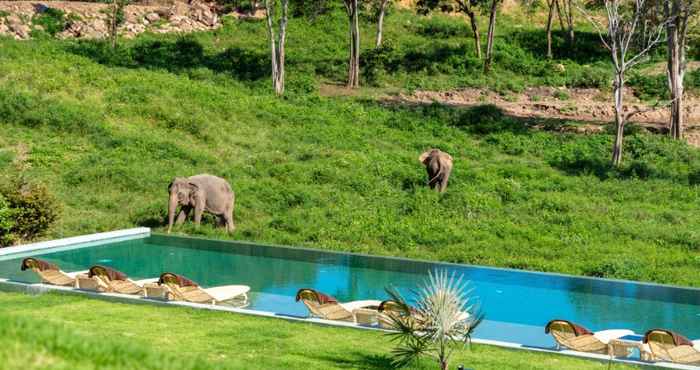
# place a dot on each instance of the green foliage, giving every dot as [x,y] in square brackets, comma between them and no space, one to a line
[27,210]
[443,320]
[52,20]
[7,222]
[34,110]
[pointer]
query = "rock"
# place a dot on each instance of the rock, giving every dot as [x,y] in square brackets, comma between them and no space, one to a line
[179,9]
[20,29]
[152,17]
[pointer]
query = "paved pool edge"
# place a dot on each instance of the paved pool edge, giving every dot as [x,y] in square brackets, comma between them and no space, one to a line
[77,241]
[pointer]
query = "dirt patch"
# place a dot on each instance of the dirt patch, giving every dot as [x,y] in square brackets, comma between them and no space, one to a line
[583,105]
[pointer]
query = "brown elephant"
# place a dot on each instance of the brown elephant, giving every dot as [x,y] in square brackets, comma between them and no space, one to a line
[201,193]
[439,166]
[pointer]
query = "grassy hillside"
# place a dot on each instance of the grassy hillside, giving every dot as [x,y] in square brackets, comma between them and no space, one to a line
[108,131]
[61,332]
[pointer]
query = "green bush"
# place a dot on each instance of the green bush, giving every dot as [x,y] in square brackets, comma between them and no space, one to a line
[52,21]
[7,222]
[26,211]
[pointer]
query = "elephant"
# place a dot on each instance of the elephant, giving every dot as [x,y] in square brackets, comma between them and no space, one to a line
[439,166]
[201,193]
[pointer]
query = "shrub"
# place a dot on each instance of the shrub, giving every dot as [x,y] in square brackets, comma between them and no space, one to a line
[7,222]
[52,21]
[26,211]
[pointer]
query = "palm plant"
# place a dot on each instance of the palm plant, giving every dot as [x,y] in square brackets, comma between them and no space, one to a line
[443,319]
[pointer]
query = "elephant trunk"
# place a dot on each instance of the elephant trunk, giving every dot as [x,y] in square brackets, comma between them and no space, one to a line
[172,207]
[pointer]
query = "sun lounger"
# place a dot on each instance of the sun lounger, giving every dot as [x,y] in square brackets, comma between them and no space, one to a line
[666,345]
[327,307]
[106,279]
[578,338]
[179,288]
[50,273]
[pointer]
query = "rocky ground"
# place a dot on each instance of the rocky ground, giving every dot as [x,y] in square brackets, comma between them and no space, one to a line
[20,19]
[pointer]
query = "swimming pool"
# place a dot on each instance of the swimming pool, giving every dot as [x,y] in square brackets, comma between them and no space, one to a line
[517,304]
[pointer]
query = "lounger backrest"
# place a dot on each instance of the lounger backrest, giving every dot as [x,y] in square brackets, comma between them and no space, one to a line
[562,331]
[660,342]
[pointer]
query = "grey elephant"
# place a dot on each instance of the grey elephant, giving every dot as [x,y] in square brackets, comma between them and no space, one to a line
[201,193]
[439,166]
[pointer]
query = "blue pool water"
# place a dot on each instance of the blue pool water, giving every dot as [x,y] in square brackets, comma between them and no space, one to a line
[517,304]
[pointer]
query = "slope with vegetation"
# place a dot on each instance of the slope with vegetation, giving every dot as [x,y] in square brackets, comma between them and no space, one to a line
[107,130]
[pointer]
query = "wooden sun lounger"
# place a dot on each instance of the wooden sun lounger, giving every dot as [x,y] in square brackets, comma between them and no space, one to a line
[579,339]
[665,345]
[174,290]
[328,308]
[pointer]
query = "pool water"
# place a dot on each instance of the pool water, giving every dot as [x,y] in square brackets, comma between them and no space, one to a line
[517,304]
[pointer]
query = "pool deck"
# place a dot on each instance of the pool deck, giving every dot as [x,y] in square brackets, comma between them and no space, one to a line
[88,240]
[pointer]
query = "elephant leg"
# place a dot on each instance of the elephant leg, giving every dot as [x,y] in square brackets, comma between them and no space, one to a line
[443,183]
[228,217]
[198,215]
[182,216]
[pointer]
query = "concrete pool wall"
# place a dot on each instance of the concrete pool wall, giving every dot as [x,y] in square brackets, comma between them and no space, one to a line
[115,236]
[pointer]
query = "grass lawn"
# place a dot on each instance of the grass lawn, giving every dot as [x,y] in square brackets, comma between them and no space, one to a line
[53,331]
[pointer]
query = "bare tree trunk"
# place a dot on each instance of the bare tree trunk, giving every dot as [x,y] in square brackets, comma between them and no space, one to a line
[113,23]
[569,15]
[380,22]
[492,31]
[561,19]
[354,60]
[550,17]
[676,38]
[619,87]
[475,30]
[622,29]
[277,43]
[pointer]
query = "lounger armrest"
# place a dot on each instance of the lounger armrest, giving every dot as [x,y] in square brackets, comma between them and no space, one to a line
[75,274]
[351,306]
[143,282]
[227,292]
[606,336]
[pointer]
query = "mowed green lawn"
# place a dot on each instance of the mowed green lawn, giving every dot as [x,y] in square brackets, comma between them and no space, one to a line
[54,331]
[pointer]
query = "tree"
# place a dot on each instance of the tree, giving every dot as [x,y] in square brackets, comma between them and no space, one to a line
[489,40]
[624,19]
[116,18]
[461,6]
[380,21]
[568,11]
[567,8]
[679,13]
[445,316]
[351,9]
[277,42]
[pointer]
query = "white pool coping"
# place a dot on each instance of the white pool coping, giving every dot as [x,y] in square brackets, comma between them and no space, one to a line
[143,232]
[75,242]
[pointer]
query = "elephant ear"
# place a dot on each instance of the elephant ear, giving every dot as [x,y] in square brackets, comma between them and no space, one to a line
[424,157]
[173,183]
